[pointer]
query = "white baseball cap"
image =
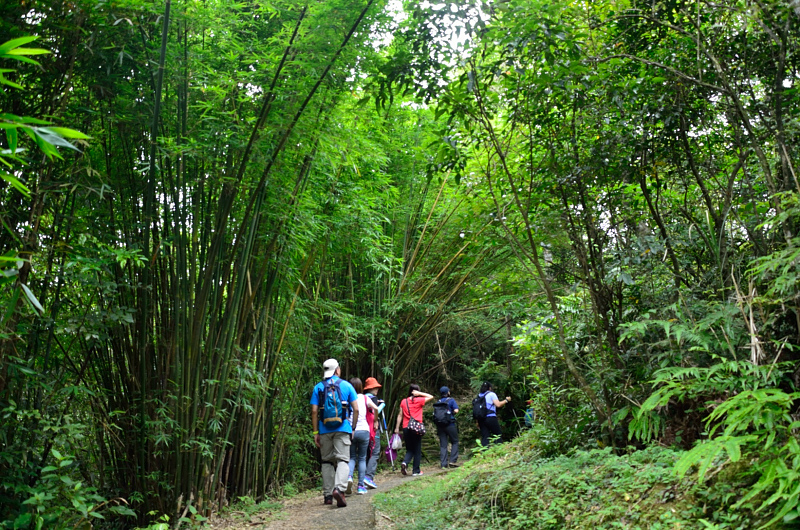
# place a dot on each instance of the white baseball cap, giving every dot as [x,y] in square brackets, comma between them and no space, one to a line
[328,367]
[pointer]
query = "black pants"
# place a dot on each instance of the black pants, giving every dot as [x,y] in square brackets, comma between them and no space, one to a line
[413,448]
[490,430]
[447,433]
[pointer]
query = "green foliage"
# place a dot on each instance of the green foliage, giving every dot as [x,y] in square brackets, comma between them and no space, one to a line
[46,137]
[750,417]
[563,419]
[602,138]
[161,524]
[53,496]
[711,385]
[194,336]
[512,486]
[244,507]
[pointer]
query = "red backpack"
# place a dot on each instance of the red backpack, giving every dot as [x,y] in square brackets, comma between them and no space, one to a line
[370,420]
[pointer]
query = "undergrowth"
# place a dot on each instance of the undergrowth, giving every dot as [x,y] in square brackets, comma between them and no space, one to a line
[512,486]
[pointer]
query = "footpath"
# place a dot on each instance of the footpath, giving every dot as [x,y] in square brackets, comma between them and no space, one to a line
[308,511]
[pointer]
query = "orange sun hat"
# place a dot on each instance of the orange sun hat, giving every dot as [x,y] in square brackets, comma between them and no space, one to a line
[371,383]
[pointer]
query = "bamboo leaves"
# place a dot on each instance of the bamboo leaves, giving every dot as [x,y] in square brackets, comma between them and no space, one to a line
[46,138]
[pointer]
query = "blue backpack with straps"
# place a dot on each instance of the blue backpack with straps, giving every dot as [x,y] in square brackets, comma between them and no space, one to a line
[333,409]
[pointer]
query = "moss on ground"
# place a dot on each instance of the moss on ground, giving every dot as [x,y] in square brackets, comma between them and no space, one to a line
[510,486]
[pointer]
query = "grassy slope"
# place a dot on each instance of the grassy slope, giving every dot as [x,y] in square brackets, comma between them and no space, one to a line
[511,487]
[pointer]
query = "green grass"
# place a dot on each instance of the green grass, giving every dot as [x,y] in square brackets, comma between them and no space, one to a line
[510,486]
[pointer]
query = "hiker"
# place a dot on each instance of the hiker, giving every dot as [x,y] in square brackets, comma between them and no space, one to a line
[489,424]
[411,408]
[530,414]
[332,431]
[371,388]
[444,416]
[358,449]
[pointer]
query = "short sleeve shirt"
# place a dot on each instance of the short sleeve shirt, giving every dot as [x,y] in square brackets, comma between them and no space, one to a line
[348,395]
[414,406]
[362,414]
[491,410]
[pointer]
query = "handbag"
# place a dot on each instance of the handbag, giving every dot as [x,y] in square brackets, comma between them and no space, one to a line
[414,425]
[391,454]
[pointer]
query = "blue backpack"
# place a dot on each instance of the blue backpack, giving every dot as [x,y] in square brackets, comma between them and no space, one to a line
[333,409]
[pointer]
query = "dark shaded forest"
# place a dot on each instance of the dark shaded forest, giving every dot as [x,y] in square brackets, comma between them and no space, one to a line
[592,205]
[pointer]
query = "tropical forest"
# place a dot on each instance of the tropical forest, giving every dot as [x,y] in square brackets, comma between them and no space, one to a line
[592,205]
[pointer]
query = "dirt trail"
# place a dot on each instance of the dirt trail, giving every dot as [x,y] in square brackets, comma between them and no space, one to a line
[308,511]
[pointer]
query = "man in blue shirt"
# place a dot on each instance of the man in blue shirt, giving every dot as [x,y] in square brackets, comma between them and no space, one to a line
[333,442]
[448,432]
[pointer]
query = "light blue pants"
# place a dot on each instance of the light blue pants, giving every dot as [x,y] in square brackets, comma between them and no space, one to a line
[372,463]
[358,453]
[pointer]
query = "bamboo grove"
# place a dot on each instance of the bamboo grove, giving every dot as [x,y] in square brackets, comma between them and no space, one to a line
[593,205]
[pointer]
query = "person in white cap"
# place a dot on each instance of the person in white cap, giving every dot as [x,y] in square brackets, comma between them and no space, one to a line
[332,429]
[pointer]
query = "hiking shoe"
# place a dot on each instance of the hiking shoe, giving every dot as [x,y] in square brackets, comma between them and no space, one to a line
[404,468]
[362,490]
[349,489]
[328,499]
[370,483]
[339,496]
[418,474]
[453,464]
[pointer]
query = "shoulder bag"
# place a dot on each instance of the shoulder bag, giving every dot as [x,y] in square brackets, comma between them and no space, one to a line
[414,425]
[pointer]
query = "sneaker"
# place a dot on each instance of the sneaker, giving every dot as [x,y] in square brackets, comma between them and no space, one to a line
[453,464]
[339,496]
[362,490]
[349,489]
[328,499]
[404,468]
[370,483]
[417,474]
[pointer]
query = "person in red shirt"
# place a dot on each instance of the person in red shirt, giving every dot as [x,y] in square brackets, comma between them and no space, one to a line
[411,407]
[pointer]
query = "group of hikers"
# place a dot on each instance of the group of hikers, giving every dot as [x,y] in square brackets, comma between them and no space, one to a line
[346,421]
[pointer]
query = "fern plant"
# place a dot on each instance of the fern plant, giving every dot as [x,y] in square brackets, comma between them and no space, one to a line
[750,414]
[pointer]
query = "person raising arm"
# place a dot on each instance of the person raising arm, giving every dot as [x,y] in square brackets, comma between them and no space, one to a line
[490,426]
[411,407]
[401,419]
[498,404]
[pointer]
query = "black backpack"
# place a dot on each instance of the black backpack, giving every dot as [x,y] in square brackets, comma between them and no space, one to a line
[441,412]
[479,410]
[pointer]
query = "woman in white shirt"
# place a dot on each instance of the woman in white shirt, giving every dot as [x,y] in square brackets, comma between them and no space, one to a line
[360,443]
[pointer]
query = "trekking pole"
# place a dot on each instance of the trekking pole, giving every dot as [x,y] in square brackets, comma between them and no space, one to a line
[388,443]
